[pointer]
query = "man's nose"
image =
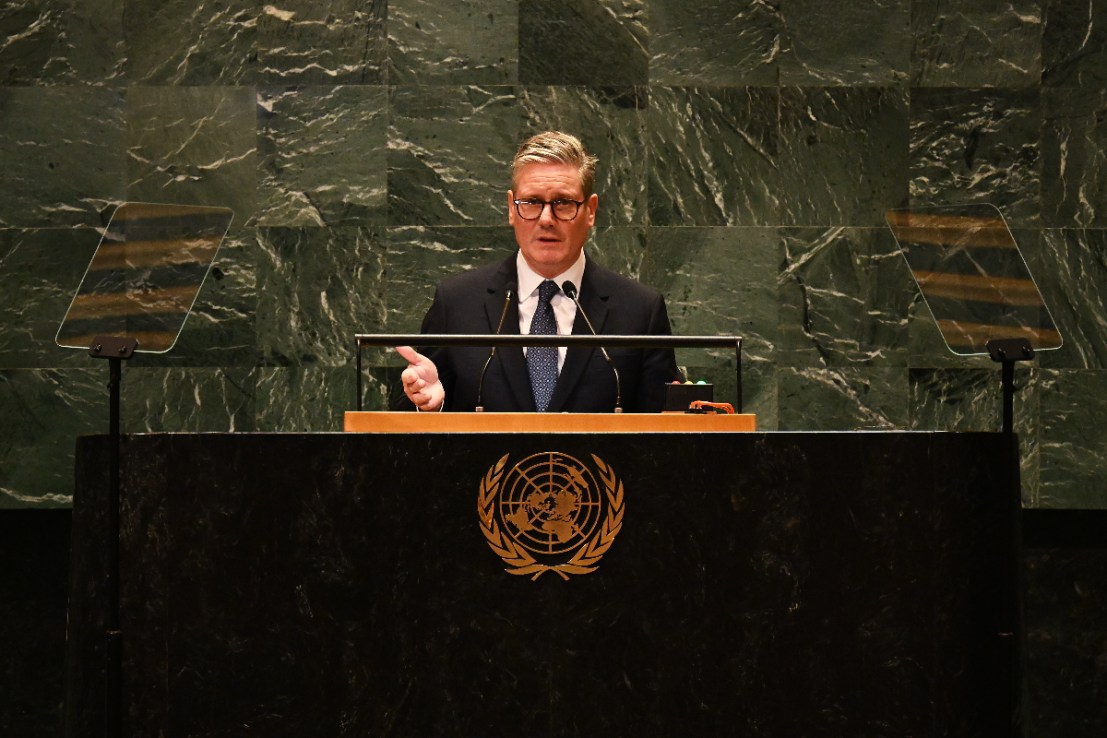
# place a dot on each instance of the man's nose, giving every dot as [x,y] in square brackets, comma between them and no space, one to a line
[547,214]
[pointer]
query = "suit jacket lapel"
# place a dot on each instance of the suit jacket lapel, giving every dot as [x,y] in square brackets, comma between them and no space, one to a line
[514,363]
[593,299]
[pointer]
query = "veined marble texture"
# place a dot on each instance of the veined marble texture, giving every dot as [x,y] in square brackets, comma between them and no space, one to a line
[748,153]
[242,42]
[291,399]
[322,153]
[61,42]
[626,249]
[182,43]
[843,155]
[977,44]
[1074,161]
[844,295]
[419,257]
[1074,44]
[1070,268]
[63,153]
[715,42]
[306,42]
[583,42]
[793,156]
[193,145]
[39,273]
[42,411]
[316,289]
[748,150]
[957,398]
[758,43]
[715,154]
[856,43]
[463,42]
[1073,438]
[977,146]
[736,294]
[190,400]
[847,398]
[449,154]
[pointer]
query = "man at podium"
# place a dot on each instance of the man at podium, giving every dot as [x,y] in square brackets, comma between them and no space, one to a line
[548,286]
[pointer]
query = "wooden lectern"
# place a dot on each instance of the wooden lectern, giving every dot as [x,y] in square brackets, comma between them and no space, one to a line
[413,422]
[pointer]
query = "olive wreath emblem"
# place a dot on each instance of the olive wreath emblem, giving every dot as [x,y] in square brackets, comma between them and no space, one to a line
[520,561]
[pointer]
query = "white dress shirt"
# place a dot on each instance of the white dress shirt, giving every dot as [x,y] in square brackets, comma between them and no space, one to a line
[565,310]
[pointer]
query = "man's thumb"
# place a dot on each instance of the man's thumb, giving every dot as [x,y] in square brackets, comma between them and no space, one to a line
[410,355]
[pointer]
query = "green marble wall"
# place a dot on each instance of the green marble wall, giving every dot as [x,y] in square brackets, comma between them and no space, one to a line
[748,152]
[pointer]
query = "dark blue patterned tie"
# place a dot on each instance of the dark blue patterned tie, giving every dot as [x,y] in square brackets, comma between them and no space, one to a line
[542,360]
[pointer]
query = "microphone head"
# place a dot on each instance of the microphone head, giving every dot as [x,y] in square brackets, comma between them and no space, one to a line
[510,289]
[569,289]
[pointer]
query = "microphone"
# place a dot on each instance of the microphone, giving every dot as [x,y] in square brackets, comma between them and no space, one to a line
[509,292]
[570,291]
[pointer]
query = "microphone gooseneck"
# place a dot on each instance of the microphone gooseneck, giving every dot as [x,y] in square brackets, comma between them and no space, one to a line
[570,291]
[509,292]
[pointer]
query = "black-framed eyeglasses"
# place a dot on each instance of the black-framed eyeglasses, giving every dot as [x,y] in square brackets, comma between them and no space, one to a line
[531,209]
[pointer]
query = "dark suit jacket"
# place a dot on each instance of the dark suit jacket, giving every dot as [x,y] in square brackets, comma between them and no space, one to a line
[473,301]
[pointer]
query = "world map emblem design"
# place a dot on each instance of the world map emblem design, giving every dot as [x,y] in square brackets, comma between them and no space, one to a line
[550,512]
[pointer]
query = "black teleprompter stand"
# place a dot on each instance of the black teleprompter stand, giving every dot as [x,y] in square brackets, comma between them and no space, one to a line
[1007,351]
[116,350]
[983,298]
[142,281]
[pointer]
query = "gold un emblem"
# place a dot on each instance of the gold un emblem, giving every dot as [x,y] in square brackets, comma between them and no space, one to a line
[549,513]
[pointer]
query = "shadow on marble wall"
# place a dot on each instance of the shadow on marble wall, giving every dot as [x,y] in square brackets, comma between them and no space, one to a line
[747,158]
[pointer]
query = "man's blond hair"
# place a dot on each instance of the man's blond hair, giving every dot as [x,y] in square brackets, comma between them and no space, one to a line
[559,148]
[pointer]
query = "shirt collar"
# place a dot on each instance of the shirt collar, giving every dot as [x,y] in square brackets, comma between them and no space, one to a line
[529,279]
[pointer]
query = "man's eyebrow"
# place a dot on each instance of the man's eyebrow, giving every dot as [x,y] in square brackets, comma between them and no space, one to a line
[557,196]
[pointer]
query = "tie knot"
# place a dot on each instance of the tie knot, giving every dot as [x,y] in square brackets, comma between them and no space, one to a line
[547,290]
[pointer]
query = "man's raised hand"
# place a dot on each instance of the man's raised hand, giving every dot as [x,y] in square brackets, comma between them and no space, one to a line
[420,380]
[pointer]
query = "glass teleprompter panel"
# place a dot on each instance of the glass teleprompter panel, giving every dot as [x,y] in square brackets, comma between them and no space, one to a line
[145,275]
[973,277]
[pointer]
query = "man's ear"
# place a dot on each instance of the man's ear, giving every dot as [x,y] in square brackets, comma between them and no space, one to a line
[510,207]
[592,203]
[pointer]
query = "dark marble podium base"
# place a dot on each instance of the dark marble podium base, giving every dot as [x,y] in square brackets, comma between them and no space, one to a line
[849,584]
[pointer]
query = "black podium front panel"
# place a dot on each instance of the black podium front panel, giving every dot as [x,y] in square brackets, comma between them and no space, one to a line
[746,584]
